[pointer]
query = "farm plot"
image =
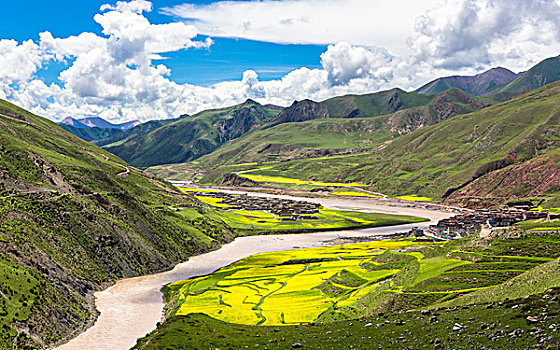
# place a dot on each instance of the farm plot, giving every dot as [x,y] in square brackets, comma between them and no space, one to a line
[352,280]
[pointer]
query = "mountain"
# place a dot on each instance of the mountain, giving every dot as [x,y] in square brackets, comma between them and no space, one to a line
[137,130]
[352,106]
[97,122]
[546,72]
[441,159]
[324,136]
[73,220]
[192,137]
[91,134]
[476,85]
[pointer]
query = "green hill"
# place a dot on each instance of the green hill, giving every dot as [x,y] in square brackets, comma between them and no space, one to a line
[143,128]
[320,137]
[74,219]
[194,136]
[92,134]
[352,106]
[546,72]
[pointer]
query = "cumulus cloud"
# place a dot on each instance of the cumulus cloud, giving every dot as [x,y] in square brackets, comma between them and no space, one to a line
[463,33]
[112,75]
[136,6]
[18,62]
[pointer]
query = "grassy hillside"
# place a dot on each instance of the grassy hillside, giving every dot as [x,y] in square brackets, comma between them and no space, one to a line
[546,72]
[538,177]
[352,106]
[194,136]
[319,137]
[75,218]
[434,159]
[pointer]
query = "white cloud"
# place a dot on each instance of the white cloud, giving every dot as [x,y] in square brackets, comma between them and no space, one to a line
[466,33]
[368,23]
[136,6]
[112,75]
[18,62]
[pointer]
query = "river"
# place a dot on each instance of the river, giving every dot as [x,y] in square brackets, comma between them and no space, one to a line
[132,307]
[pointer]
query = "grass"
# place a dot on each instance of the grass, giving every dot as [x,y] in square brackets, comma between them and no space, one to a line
[333,283]
[414,198]
[483,327]
[292,181]
[347,193]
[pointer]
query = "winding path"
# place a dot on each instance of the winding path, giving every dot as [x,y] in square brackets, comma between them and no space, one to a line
[131,308]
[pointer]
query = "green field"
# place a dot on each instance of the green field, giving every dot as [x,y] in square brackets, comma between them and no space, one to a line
[374,292]
[348,281]
[257,289]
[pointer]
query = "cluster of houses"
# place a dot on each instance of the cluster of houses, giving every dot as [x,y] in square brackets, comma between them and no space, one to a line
[285,209]
[471,223]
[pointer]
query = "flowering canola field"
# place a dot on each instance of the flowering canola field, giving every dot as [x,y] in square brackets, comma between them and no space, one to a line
[299,286]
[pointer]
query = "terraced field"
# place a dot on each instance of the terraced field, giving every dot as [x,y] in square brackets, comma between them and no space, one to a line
[351,281]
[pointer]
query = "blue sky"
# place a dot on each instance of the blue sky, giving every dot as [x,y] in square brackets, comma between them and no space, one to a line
[226,60]
[143,59]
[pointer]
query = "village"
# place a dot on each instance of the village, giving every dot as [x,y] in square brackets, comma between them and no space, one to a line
[467,224]
[285,209]
[458,226]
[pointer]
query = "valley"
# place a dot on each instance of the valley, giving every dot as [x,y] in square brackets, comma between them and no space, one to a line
[386,218]
[132,308]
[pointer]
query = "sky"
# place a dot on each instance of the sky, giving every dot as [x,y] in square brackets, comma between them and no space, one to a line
[144,60]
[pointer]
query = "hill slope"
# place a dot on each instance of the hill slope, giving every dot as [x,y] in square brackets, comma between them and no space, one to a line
[352,106]
[320,137]
[476,85]
[73,219]
[546,72]
[137,130]
[190,138]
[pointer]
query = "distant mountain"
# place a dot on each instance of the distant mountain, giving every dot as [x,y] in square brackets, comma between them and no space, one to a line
[476,85]
[91,134]
[97,122]
[137,130]
[546,72]
[352,106]
[499,80]
[462,158]
[189,138]
[323,136]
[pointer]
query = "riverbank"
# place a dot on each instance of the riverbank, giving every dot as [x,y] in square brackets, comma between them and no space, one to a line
[132,308]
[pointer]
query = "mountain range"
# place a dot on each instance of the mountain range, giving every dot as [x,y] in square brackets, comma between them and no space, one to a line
[345,124]
[97,122]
